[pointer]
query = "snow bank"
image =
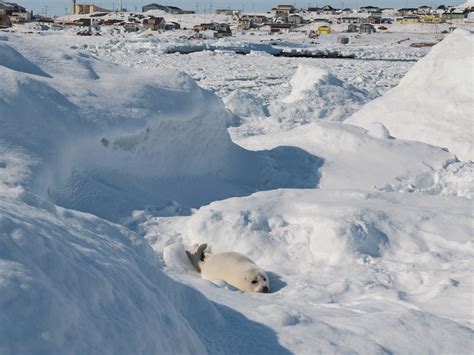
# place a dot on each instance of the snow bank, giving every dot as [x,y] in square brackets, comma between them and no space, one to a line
[74,132]
[351,271]
[353,157]
[316,94]
[434,102]
[73,283]
[106,148]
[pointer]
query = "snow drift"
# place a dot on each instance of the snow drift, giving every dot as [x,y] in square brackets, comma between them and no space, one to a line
[96,146]
[351,271]
[434,102]
[315,95]
[71,282]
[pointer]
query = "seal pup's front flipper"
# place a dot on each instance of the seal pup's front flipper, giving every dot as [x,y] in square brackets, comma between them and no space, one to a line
[196,255]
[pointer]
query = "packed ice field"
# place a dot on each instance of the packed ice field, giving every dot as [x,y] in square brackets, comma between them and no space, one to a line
[349,181]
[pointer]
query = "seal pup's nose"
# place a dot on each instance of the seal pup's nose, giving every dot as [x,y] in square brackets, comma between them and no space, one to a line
[265,289]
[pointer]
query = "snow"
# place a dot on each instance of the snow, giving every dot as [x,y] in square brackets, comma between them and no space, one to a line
[434,102]
[115,157]
[346,265]
[101,144]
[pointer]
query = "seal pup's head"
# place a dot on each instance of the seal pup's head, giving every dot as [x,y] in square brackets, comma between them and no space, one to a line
[256,280]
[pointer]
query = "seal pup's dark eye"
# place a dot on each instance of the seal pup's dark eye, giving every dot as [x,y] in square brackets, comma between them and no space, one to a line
[254,281]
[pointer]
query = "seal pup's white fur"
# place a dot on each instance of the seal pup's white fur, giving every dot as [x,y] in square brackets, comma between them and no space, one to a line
[234,268]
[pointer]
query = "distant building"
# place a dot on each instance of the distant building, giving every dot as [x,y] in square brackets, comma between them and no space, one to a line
[15,12]
[313,10]
[375,17]
[154,23]
[432,18]
[222,30]
[407,11]
[246,22]
[5,21]
[454,14]
[424,10]
[169,9]
[212,26]
[323,30]
[410,19]
[366,28]
[280,27]
[295,19]
[350,19]
[131,27]
[282,12]
[85,9]
[172,26]
[228,12]
[369,9]
[328,10]
[352,27]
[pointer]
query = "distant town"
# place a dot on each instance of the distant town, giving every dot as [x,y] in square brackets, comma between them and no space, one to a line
[88,17]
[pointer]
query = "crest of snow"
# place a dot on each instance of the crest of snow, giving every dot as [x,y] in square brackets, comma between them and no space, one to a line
[434,102]
[378,130]
[308,79]
[353,158]
[316,95]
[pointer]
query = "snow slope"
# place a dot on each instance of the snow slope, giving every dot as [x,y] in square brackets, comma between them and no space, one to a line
[72,282]
[104,148]
[351,271]
[434,102]
[353,158]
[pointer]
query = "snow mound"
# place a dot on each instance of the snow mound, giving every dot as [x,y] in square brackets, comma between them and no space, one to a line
[73,283]
[434,102]
[245,104]
[343,264]
[354,158]
[108,150]
[317,95]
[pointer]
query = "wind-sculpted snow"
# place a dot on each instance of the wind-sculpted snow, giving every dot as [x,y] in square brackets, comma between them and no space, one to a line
[351,271]
[106,145]
[72,283]
[434,102]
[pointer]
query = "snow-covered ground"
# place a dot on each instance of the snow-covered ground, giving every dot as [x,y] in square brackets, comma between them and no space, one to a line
[115,157]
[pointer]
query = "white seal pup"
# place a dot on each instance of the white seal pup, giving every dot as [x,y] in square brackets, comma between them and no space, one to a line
[234,268]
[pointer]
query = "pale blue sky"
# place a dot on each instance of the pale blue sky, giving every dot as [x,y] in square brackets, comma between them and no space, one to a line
[58,7]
